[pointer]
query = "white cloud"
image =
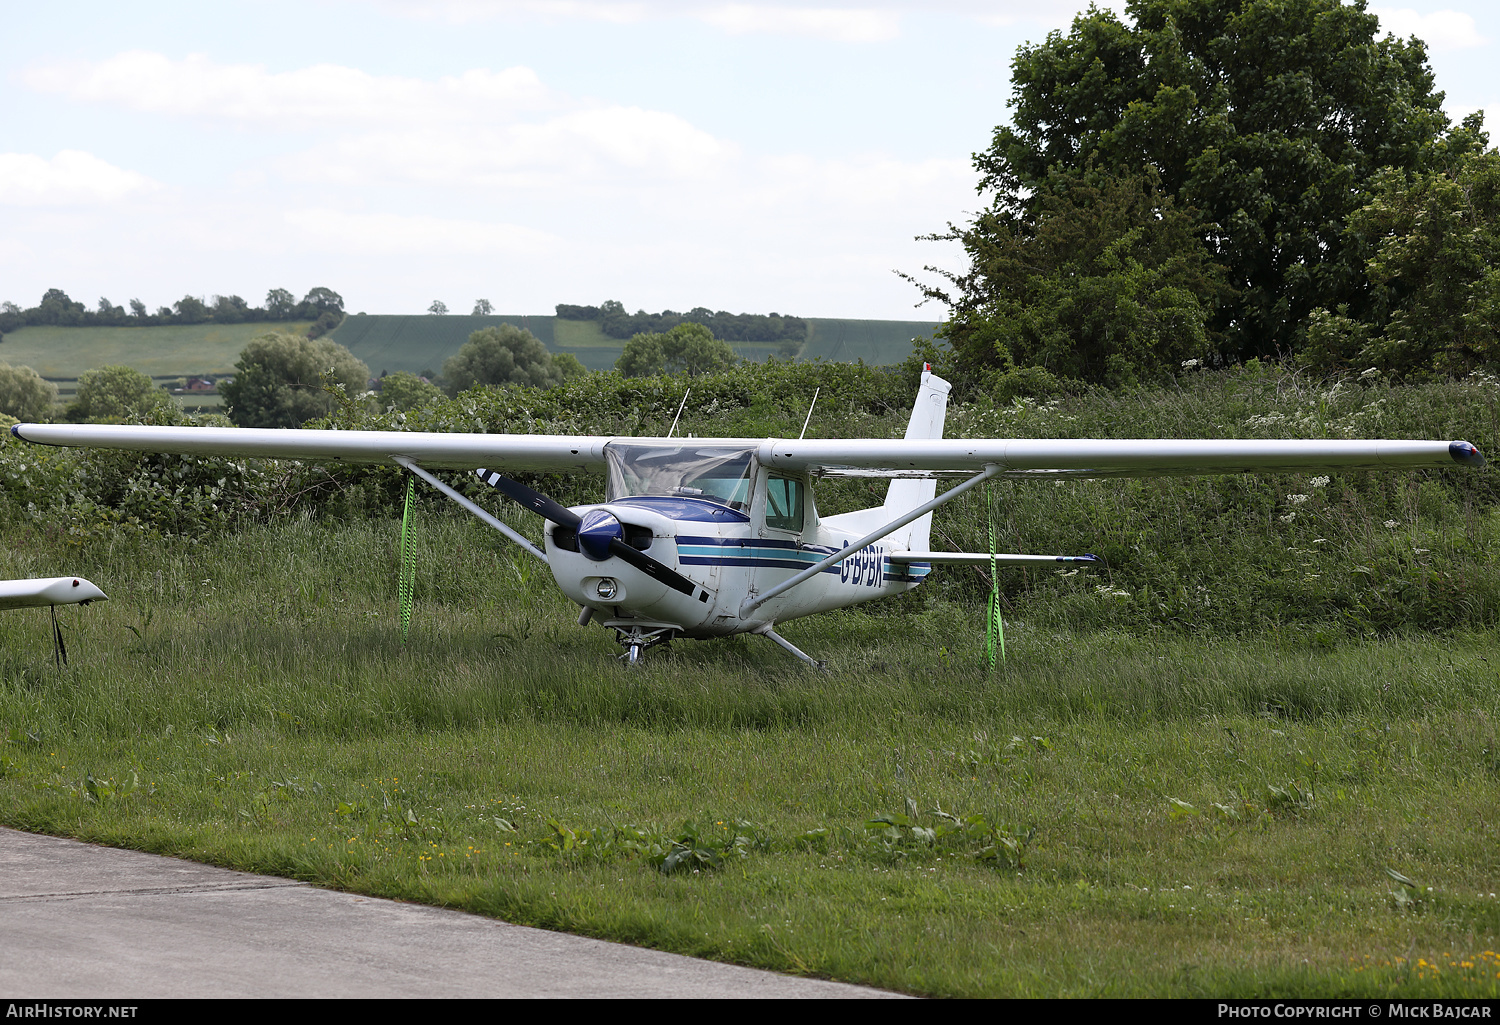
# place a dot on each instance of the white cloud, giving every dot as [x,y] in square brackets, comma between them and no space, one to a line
[844,21]
[490,176]
[1440,30]
[324,94]
[68,179]
[381,234]
[843,25]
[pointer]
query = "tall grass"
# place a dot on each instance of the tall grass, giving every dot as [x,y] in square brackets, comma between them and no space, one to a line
[1138,801]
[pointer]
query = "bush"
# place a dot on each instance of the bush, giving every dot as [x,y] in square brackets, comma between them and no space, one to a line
[279,380]
[114,393]
[405,391]
[23,393]
[501,355]
[687,348]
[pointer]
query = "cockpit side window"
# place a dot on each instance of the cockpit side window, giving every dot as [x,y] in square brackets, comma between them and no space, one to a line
[784,496]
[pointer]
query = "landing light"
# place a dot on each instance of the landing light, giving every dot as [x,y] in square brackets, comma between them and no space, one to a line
[606,588]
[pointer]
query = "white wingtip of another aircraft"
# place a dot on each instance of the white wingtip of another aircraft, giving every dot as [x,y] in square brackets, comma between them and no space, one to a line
[26,594]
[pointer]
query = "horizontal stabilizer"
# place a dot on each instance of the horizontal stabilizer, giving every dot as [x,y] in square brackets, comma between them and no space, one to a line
[28,594]
[983,558]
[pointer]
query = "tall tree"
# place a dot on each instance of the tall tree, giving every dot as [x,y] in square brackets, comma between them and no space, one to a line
[1272,117]
[1433,239]
[1104,281]
[322,300]
[280,304]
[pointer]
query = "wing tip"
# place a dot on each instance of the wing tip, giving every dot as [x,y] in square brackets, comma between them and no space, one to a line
[1465,453]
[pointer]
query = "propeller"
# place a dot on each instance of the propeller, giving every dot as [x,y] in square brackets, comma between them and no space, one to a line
[599,533]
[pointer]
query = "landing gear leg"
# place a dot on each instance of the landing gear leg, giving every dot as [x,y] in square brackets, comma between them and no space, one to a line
[637,639]
[766,631]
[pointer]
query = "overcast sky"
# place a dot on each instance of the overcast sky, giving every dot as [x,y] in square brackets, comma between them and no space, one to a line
[755,156]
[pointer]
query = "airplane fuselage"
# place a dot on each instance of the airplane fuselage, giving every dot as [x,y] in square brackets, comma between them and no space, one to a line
[733,554]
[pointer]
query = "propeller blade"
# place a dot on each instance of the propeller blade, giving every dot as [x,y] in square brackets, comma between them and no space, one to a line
[560,514]
[533,500]
[656,570]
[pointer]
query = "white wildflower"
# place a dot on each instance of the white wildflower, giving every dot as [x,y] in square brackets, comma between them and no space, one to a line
[1191,364]
[1288,518]
[1372,372]
[1320,482]
[1297,499]
[1392,523]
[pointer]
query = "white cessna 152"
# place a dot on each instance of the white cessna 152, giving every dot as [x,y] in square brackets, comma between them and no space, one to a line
[709,537]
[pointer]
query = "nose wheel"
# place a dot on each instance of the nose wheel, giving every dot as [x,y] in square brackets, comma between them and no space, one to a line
[637,639]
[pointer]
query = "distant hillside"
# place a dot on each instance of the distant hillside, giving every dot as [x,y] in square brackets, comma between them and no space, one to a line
[62,353]
[390,343]
[422,342]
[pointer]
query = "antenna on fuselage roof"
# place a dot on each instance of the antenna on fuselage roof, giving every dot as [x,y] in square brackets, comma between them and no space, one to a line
[811,406]
[679,412]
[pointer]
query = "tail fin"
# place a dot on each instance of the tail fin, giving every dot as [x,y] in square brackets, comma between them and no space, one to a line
[927,416]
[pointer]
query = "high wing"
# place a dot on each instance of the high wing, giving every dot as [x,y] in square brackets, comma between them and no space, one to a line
[539,452]
[1090,457]
[1048,458]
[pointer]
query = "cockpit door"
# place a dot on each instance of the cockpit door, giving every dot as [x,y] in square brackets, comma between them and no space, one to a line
[780,515]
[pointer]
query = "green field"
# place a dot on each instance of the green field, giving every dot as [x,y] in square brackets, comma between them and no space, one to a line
[388,344]
[1162,816]
[1253,755]
[62,353]
[877,342]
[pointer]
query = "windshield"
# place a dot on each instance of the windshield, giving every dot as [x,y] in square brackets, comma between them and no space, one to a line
[716,474]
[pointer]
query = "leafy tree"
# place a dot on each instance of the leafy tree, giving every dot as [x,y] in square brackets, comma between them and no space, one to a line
[138,309]
[482,308]
[191,310]
[112,393]
[1106,281]
[280,304]
[687,348]
[1433,245]
[57,308]
[320,301]
[230,309]
[279,380]
[501,355]
[438,308]
[23,393]
[1272,117]
[406,391]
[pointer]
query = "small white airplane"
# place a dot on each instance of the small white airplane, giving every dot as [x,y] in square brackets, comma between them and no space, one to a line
[704,538]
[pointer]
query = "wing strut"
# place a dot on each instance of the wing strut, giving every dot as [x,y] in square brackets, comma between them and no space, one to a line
[470,506]
[990,470]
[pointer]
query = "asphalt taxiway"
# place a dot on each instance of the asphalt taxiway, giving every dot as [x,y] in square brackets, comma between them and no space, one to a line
[82,921]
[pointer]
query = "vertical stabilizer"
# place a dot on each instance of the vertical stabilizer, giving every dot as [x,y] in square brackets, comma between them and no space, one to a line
[927,416]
